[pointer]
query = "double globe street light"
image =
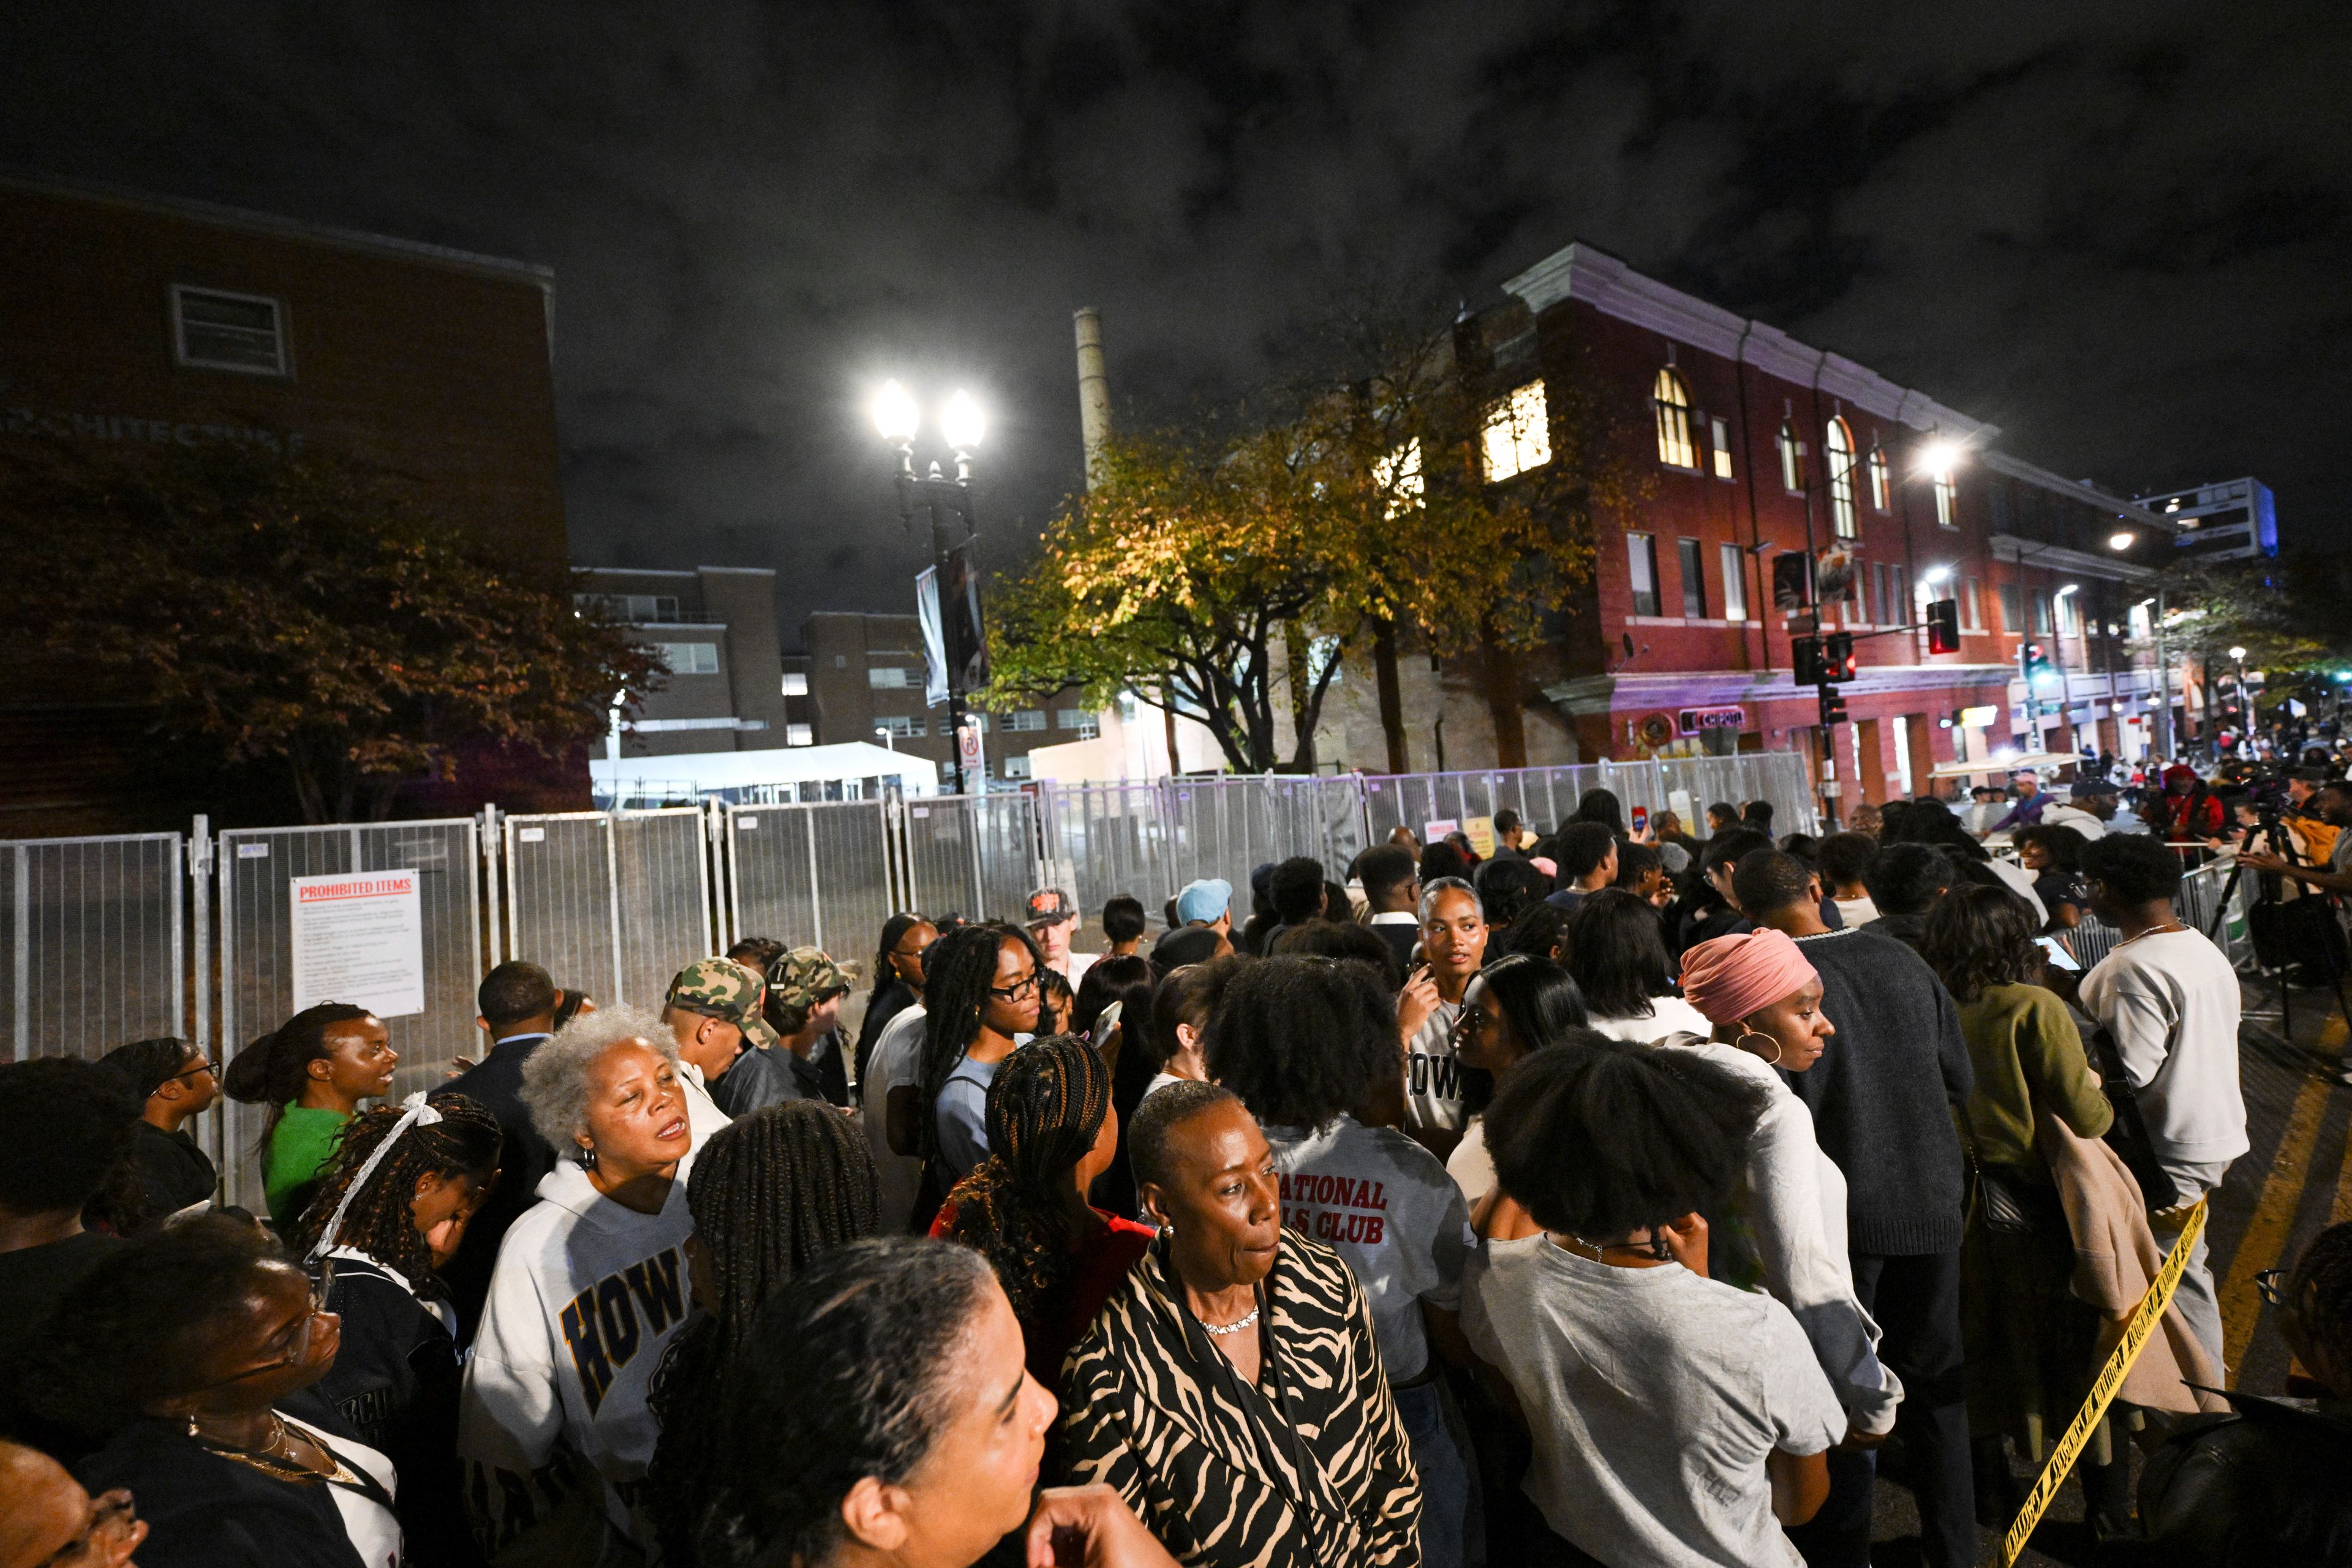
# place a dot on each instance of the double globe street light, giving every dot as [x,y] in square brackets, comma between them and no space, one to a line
[954,573]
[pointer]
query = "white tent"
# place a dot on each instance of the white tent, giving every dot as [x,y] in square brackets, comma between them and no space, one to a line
[709,772]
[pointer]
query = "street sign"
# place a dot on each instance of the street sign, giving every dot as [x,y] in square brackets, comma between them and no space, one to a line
[1699,720]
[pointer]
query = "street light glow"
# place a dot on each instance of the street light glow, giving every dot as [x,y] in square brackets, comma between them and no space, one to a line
[1939,457]
[895,413]
[2069,588]
[1935,576]
[961,422]
[2122,539]
[2238,653]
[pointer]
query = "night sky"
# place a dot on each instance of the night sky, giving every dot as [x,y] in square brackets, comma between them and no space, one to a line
[2122,234]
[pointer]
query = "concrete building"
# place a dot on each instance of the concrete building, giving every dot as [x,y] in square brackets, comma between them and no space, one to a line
[864,676]
[2235,519]
[1759,453]
[715,628]
[130,322]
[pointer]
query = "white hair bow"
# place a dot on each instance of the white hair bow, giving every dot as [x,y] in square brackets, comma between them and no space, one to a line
[414,1111]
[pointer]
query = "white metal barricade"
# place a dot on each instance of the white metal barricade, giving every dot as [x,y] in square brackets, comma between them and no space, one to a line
[813,875]
[92,943]
[612,903]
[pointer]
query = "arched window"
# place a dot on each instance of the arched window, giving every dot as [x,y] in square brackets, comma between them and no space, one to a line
[1675,448]
[1882,483]
[1840,456]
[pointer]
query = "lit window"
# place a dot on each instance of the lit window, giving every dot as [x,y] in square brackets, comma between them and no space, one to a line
[1517,433]
[213,331]
[1792,474]
[1027,718]
[1881,482]
[1017,767]
[1947,499]
[800,735]
[688,657]
[1734,583]
[1972,605]
[1641,561]
[1675,448]
[795,683]
[902,727]
[1839,451]
[1079,718]
[887,677]
[1692,555]
[1722,448]
[1398,475]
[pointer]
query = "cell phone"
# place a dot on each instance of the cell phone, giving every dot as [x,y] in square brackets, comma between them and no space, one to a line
[1641,818]
[2059,957]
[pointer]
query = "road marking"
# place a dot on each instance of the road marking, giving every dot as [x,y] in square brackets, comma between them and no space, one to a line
[2267,1233]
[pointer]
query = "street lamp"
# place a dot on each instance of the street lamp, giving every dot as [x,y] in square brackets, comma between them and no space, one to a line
[2122,539]
[2245,702]
[962,424]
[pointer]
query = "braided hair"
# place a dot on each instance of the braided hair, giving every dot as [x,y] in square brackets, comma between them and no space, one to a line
[956,980]
[2321,1289]
[1045,1108]
[272,1070]
[771,1193]
[465,1143]
[148,1065]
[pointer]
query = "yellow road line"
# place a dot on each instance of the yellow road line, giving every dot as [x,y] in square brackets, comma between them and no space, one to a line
[2267,1233]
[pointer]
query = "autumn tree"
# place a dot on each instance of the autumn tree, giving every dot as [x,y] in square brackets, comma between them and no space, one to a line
[303,611]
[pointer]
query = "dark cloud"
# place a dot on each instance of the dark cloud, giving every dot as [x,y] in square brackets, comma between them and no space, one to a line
[2120,233]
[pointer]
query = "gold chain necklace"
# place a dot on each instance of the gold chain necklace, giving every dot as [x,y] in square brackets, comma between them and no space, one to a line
[268,1460]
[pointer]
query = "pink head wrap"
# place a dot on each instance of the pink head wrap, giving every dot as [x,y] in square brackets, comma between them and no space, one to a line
[1732,976]
[1545,866]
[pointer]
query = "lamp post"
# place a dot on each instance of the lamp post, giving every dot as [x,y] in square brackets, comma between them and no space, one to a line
[942,497]
[2245,700]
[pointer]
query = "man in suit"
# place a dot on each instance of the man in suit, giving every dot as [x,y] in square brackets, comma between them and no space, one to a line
[518,1003]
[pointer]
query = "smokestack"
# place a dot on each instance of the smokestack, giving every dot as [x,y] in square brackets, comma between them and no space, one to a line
[1094,393]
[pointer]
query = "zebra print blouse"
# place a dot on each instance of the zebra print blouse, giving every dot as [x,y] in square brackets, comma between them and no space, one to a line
[1308,1466]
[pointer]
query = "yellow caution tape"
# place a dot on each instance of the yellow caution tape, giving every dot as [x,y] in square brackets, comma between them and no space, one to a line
[2137,1332]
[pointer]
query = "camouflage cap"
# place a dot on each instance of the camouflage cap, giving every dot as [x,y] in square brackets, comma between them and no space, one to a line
[722,988]
[804,977]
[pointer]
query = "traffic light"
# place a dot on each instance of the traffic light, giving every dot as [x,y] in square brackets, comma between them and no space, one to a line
[1832,706]
[1837,657]
[1944,626]
[1805,654]
[2033,660]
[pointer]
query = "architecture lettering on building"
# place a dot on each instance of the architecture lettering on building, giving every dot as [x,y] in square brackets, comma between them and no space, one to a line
[72,424]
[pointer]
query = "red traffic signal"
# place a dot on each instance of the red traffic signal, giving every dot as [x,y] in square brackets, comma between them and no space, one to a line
[1838,660]
[1944,626]
[1832,705]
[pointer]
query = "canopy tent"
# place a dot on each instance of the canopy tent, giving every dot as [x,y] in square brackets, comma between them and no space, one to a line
[2038,762]
[717,773]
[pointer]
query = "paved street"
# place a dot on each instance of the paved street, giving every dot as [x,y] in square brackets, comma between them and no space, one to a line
[2294,1182]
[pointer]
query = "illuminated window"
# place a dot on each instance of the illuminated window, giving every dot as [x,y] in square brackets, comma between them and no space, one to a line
[1642,563]
[1972,606]
[1734,583]
[1518,433]
[1398,475]
[1722,448]
[1839,452]
[1881,482]
[1791,471]
[888,677]
[1947,499]
[800,734]
[795,683]
[1675,448]
[688,657]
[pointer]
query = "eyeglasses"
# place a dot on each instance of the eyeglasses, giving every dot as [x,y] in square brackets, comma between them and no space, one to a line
[112,1518]
[2270,1286]
[1018,989]
[918,954]
[298,1348]
[1469,1022]
[199,1070]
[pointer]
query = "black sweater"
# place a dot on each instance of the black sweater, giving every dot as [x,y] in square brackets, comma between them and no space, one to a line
[1881,1093]
[204,1511]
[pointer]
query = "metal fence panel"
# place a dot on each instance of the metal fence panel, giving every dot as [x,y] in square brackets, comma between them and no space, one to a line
[1106,838]
[814,875]
[612,903]
[257,867]
[1775,776]
[1544,797]
[91,943]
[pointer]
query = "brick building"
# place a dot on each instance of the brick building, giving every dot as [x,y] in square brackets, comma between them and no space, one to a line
[1761,453]
[128,322]
[715,630]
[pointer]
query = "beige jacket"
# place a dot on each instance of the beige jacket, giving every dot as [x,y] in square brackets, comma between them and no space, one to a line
[2115,1256]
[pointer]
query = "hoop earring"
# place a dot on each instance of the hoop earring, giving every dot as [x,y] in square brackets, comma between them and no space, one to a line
[586,1155]
[1747,1034]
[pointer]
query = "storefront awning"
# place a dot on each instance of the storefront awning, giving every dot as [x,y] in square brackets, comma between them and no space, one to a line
[2040,761]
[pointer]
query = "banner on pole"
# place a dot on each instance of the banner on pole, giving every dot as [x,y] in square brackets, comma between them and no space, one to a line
[935,653]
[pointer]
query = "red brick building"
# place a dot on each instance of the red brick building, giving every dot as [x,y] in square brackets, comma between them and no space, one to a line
[127,321]
[1752,449]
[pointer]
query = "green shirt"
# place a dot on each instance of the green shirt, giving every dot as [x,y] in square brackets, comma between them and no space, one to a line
[2028,1059]
[298,1152]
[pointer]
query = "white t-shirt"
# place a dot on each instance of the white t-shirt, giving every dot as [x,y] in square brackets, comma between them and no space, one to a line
[1858,912]
[1384,1204]
[1433,1083]
[1160,1080]
[1655,1396]
[373,1529]
[896,1061]
[1472,1168]
[1668,1016]
[2170,1000]
[2075,817]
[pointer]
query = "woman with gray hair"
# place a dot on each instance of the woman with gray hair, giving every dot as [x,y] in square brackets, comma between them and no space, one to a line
[590,1287]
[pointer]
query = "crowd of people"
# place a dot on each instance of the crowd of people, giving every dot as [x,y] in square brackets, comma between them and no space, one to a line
[1623,1195]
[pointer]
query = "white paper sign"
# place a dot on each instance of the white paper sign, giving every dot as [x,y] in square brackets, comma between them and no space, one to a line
[360,938]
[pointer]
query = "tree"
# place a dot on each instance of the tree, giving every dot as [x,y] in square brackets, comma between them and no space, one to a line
[303,610]
[1355,501]
[2293,616]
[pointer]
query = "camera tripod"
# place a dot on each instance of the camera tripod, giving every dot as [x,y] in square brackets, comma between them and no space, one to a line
[2276,946]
